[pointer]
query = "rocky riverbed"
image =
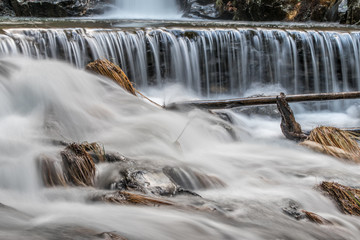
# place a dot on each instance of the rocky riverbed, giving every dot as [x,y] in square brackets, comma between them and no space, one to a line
[340,11]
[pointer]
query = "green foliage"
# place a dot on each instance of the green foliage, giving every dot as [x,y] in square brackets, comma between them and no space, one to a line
[219,3]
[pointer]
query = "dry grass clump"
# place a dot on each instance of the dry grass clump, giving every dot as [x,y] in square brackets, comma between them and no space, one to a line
[126,198]
[332,139]
[79,167]
[111,70]
[348,199]
[96,151]
[313,217]
[106,68]
[51,172]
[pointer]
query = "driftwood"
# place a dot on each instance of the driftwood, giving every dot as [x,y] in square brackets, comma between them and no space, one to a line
[253,101]
[290,128]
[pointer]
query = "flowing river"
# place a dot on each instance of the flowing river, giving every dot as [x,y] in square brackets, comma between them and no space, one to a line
[47,97]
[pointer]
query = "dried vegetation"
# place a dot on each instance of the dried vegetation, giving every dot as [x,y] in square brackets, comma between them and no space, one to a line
[106,68]
[347,199]
[336,142]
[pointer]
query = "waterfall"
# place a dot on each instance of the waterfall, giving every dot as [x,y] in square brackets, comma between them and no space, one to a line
[155,9]
[209,62]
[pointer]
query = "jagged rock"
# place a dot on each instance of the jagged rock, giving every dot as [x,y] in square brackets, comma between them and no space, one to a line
[293,209]
[76,167]
[59,8]
[127,175]
[315,218]
[352,14]
[202,9]
[6,8]
[326,10]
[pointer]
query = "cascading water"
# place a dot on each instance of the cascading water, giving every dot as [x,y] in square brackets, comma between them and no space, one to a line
[155,9]
[208,62]
[247,174]
[42,101]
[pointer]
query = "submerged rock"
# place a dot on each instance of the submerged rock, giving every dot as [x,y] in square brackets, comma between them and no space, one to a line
[202,9]
[293,209]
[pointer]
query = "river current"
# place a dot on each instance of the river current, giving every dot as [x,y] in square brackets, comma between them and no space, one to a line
[42,100]
[46,96]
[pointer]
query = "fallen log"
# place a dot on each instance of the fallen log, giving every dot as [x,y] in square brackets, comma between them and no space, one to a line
[253,101]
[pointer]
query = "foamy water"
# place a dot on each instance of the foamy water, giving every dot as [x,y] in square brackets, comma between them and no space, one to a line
[43,100]
[145,9]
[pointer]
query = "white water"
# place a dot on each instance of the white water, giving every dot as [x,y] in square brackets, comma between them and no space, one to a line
[146,9]
[42,100]
[210,62]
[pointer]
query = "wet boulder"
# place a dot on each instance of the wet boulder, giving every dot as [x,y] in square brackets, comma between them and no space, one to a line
[154,180]
[124,176]
[202,9]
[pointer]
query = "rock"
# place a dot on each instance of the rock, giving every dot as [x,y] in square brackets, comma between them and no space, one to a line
[293,209]
[128,176]
[257,10]
[325,10]
[352,15]
[344,11]
[6,8]
[59,8]
[202,9]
